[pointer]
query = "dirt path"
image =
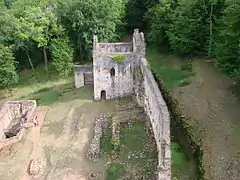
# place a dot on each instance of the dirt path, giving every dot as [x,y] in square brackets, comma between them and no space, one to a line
[217,111]
[65,147]
[34,137]
[60,143]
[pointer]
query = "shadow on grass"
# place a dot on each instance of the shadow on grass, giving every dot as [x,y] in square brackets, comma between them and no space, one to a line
[60,93]
[27,77]
[173,70]
[235,88]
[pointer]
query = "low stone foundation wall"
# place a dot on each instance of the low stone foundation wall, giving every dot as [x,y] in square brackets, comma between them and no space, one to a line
[101,124]
[10,111]
[149,96]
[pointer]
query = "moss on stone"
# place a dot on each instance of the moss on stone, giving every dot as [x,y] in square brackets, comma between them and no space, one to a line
[119,58]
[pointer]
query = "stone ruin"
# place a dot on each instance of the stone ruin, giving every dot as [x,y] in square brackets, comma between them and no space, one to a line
[11,113]
[131,77]
[101,125]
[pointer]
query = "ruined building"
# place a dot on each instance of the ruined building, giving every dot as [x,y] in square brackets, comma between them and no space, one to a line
[120,69]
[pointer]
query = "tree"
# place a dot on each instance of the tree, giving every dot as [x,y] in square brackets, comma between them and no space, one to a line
[7,26]
[187,31]
[158,20]
[8,74]
[228,44]
[62,55]
[83,19]
[135,12]
[39,24]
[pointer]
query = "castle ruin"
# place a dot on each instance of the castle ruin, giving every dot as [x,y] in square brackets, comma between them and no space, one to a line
[119,70]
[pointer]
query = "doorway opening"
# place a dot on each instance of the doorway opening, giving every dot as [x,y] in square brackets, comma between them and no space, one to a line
[103,94]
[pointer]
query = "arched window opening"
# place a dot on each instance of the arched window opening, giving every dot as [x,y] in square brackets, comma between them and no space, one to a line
[112,72]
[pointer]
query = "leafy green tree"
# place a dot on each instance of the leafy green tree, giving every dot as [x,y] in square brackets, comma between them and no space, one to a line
[8,74]
[228,44]
[187,31]
[83,19]
[40,25]
[135,12]
[158,20]
[7,25]
[62,55]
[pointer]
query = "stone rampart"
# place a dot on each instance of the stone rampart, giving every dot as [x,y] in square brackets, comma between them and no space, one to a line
[149,96]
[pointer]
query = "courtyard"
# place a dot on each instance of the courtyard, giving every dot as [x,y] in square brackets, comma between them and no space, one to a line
[58,147]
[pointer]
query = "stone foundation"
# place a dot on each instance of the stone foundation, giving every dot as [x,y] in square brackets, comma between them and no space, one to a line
[9,114]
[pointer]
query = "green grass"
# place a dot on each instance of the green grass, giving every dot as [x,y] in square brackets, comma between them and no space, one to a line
[172,70]
[178,157]
[119,58]
[115,171]
[105,143]
[59,93]
[132,139]
[46,96]
[33,83]
[134,151]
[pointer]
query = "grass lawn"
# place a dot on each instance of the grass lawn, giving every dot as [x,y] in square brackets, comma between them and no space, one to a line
[172,70]
[133,152]
[39,83]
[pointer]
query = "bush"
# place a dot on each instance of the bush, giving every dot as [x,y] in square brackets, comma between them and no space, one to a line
[227,47]
[8,74]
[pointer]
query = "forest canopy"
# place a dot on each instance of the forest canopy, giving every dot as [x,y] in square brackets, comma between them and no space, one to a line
[58,33]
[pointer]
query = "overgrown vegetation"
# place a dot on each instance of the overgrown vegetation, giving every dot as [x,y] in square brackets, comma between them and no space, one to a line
[133,150]
[119,58]
[55,32]
[172,75]
[198,27]
[184,132]
[60,32]
[115,171]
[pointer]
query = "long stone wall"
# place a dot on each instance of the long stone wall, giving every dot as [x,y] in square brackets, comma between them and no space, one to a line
[149,96]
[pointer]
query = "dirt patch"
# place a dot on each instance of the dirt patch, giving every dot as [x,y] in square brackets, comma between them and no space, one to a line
[216,110]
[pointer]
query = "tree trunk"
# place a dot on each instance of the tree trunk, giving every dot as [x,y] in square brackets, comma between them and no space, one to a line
[80,48]
[30,61]
[210,31]
[45,59]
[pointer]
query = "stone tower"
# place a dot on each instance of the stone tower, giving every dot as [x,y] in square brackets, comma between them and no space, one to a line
[113,65]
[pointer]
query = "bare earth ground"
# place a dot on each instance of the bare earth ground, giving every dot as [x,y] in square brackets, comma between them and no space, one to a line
[217,112]
[61,143]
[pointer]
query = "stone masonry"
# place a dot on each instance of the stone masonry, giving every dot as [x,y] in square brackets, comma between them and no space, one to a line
[133,77]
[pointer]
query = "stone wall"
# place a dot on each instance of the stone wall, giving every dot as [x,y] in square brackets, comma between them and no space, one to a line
[115,85]
[114,47]
[149,96]
[79,71]
[119,83]
[12,110]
